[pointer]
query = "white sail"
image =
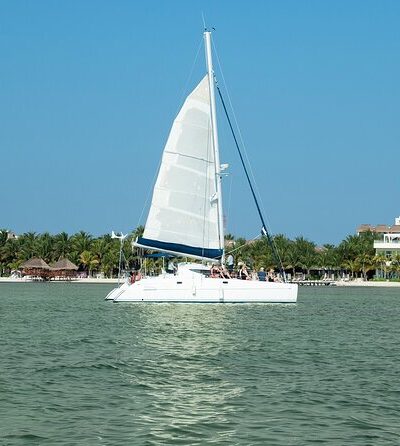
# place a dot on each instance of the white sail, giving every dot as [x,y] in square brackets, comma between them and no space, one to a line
[183,216]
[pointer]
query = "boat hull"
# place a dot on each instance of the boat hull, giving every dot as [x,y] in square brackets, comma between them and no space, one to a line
[205,290]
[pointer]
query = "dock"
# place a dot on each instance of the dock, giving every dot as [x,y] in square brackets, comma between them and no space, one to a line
[314,282]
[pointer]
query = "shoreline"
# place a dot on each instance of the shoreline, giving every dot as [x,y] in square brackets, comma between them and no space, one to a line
[87,280]
[353,283]
[339,283]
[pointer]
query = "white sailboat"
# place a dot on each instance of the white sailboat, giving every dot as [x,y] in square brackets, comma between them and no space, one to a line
[186,217]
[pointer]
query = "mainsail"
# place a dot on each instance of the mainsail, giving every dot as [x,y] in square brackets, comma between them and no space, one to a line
[183,216]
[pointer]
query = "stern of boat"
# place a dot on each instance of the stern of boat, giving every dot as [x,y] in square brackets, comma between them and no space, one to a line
[115,292]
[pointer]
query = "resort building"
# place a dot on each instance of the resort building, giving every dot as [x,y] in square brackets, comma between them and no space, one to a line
[389,238]
[381,229]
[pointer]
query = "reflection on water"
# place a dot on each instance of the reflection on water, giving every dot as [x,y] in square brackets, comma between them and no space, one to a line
[182,369]
[78,370]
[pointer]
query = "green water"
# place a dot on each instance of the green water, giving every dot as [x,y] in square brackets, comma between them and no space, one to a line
[77,370]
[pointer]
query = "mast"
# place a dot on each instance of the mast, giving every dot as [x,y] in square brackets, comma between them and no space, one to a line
[218,177]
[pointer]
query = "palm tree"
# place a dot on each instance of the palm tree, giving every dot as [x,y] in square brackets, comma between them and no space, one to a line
[328,258]
[379,261]
[366,242]
[367,264]
[110,262]
[100,247]
[260,254]
[89,261]
[9,253]
[293,258]
[305,253]
[395,265]
[15,265]
[81,241]
[27,242]
[136,233]
[62,245]
[3,236]
[44,247]
[351,265]
[284,248]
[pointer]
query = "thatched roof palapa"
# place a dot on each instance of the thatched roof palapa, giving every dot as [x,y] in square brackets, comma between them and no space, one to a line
[64,264]
[35,262]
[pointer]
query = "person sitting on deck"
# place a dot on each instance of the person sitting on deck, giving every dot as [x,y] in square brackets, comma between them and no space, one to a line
[243,274]
[271,275]
[215,272]
[225,272]
[262,275]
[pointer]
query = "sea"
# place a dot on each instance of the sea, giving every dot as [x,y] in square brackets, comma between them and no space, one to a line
[78,370]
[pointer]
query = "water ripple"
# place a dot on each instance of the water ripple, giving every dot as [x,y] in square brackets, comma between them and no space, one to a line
[78,370]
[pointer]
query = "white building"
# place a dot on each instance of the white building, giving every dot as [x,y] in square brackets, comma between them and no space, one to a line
[390,246]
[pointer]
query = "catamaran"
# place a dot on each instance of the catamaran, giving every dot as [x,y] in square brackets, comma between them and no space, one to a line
[186,214]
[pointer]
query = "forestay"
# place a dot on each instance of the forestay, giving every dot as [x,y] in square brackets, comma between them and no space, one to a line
[183,216]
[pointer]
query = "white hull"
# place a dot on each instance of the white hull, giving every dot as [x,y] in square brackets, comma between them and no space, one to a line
[200,289]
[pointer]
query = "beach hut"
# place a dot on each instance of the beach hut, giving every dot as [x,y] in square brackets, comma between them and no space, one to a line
[63,269]
[37,268]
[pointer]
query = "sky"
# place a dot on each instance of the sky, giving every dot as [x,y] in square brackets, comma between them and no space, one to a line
[89,90]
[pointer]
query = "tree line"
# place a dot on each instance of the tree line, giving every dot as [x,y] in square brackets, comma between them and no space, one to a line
[355,255]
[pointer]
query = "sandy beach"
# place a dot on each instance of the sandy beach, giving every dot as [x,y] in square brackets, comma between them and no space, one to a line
[88,280]
[366,283]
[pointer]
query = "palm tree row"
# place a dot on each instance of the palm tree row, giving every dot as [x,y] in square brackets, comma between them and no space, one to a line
[100,254]
[355,255]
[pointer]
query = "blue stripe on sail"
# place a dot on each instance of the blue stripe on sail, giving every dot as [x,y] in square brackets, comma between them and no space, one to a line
[184,249]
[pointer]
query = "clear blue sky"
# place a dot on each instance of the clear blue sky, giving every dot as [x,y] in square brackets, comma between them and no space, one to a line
[89,89]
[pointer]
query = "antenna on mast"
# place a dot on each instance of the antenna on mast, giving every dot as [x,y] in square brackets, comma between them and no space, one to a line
[204,21]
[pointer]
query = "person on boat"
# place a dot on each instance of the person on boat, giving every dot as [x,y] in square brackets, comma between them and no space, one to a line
[271,275]
[135,273]
[171,268]
[262,275]
[225,274]
[215,272]
[243,274]
[135,276]
[230,263]
[136,265]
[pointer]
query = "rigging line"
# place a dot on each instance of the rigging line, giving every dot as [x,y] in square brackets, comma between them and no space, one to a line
[233,112]
[228,208]
[244,244]
[264,228]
